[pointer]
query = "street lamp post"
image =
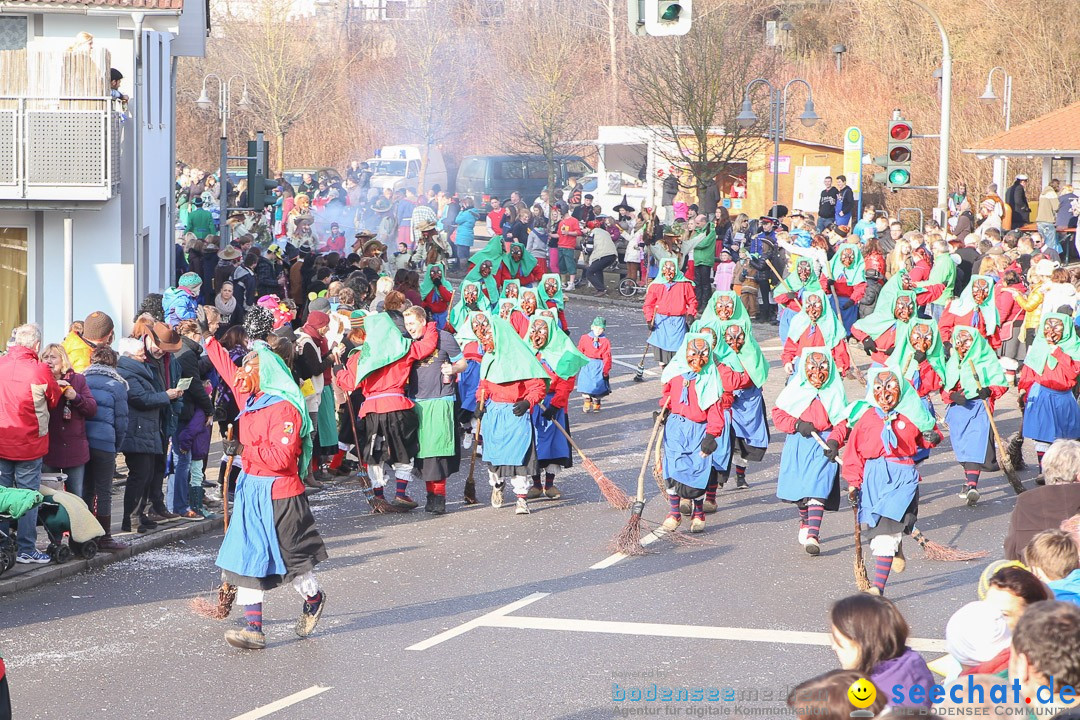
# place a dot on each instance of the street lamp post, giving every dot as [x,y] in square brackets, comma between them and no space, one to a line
[1001,165]
[224,113]
[777,122]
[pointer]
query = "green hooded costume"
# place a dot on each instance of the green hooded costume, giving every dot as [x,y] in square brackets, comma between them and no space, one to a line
[965,304]
[832,330]
[884,317]
[542,294]
[521,268]
[750,358]
[910,406]
[383,344]
[708,387]
[507,284]
[660,280]
[1040,357]
[275,378]
[511,359]
[709,316]
[493,251]
[487,284]
[893,287]
[903,357]
[560,353]
[853,275]
[458,312]
[792,284]
[985,361]
[426,285]
[798,394]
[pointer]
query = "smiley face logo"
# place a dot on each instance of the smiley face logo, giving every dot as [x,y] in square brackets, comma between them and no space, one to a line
[862,693]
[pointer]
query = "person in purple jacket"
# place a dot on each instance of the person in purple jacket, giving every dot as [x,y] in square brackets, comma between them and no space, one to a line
[869,635]
[69,450]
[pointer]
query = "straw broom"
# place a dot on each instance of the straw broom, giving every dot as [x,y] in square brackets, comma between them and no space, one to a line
[614,494]
[1003,458]
[862,580]
[628,541]
[226,594]
[639,376]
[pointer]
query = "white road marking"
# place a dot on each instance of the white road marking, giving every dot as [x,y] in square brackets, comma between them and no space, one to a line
[633,367]
[612,559]
[477,622]
[283,703]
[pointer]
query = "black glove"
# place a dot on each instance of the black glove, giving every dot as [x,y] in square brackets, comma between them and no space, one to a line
[920,356]
[662,414]
[479,411]
[437,282]
[549,412]
[888,352]
[869,345]
[834,450]
[651,325]
[521,407]
[984,393]
[231,447]
[854,496]
[708,444]
[932,437]
[958,397]
[947,347]
[804,428]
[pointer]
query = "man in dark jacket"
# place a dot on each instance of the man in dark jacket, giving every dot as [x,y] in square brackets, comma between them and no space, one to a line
[265,278]
[27,392]
[144,442]
[105,433]
[827,205]
[161,341]
[1016,199]
[1044,508]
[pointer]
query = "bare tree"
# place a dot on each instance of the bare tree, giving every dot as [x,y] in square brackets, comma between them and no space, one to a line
[689,89]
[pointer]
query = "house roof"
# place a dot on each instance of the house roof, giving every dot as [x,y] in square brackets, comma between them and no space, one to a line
[1055,134]
[175,5]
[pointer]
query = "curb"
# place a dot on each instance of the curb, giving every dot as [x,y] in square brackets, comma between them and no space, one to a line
[137,545]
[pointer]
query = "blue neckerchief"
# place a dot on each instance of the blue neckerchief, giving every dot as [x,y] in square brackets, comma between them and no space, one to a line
[975,317]
[888,435]
[264,400]
[669,285]
[810,331]
[596,340]
[687,379]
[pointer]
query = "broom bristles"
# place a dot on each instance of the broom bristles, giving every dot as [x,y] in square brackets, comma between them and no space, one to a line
[862,580]
[628,540]
[614,494]
[219,610]
[380,505]
[1005,461]
[945,553]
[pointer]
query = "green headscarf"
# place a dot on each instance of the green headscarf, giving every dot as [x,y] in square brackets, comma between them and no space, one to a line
[965,303]
[893,287]
[750,358]
[883,317]
[709,316]
[275,378]
[508,283]
[792,284]
[853,275]
[560,353]
[493,251]
[541,292]
[985,360]
[511,359]
[832,329]
[523,267]
[903,356]
[910,406]
[798,394]
[487,285]
[679,277]
[502,301]
[458,312]
[426,286]
[1040,357]
[383,344]
[464,333]
[707,386]
[943,272]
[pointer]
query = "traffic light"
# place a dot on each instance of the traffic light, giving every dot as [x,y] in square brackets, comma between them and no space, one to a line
[260,188]
[898,167]
[668,17]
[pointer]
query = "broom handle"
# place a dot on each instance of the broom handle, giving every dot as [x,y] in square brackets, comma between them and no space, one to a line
[228,473]
[986,403]
[648,451]
[365,485]
[476,440]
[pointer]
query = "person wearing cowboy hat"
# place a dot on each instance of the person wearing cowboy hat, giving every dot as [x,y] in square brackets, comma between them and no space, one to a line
[362,237]
[429,246]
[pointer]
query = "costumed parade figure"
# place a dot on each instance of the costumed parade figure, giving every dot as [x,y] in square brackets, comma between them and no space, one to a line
[670,306]
[380,370]
[516,264]
[562,361]
[593,380]
[812,402]
[723,306]
[789,293]
[271,537]
[964,391]
[921,360]
[436,292]
[550,296]
[510,311]
[1046,384]
[433,394]
[976,307]
[748,422]
[883,434]
[512,383]
[879,331]
[511,289]
[694,425]
[484,277]
[848,274]
[816,325]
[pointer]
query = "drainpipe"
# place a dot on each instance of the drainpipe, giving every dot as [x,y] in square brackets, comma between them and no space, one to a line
[69,291]
[143,108]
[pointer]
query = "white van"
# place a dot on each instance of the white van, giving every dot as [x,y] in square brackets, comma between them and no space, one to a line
[398,166]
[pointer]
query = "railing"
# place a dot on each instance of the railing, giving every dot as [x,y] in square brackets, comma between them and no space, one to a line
[59,149]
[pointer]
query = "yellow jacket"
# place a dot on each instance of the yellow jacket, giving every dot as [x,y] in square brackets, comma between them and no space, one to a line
[78,351]
[1032,304]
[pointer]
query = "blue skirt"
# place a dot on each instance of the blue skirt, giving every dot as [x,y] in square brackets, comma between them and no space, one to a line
[1051,415]
[721,457]
[507,437]
[849,312]
[682,452]
[551,445]
[591,380]
[669,333]
[969,430]
[784,315]
[805,472]
[467,384]
[440,319]
[251,546]
[748,417]
[888,489]
[924,453]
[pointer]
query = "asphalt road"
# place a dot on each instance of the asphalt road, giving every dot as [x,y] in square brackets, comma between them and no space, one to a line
[122,642]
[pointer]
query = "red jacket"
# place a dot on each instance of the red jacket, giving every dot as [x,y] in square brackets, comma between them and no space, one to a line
[600,352]
[675,301]
[1062,377]
[334,243]
[884,342]
[853,293]
[793,347]
[712,416]
[27,392]
[815,414]
[531,279]
[438,300]
[949,321]
[389,381]
[865,443]
[559,387]
[532,390]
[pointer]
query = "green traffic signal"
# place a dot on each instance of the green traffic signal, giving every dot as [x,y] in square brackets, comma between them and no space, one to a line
[671,13]
[899,177]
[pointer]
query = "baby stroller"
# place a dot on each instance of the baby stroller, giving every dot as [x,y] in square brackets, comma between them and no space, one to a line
[62,513]
[14,503]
